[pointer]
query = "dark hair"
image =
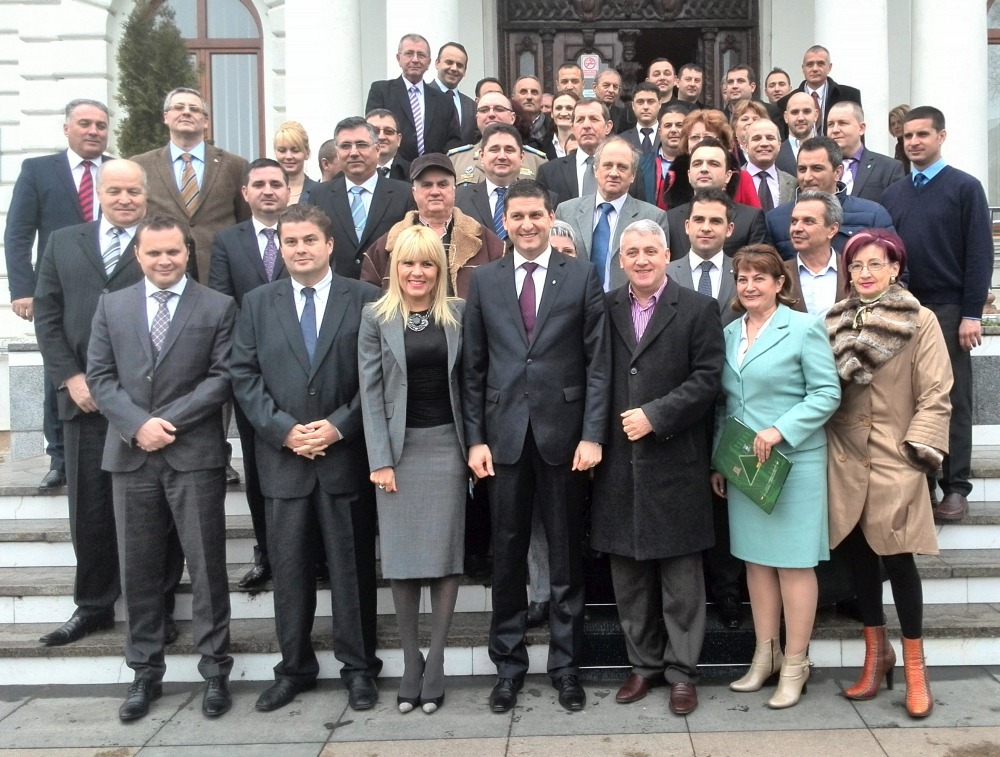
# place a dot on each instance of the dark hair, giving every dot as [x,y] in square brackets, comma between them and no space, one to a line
[646,86]
[486,80]
[527,188]
[162,222]
[497,128]
[263,163]
[357,122]
[383,113]
[690,67]
[79,102]
[711,194]
[711,142]
[887,241]
[327,151]
[751,74]
[660,60]
[567,64]
[672,106]
[832,149]
[763,258]
[926,111]
[456,45]
[781,71]
[300,213]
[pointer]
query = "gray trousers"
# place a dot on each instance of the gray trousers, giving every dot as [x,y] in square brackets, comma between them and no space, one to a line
[661,605]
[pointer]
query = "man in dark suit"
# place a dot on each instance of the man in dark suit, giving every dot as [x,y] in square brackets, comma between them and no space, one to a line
[866,173]
[774,186]
[607,88]
[690,82]
[245,257]
[654,169]
[741,84]
[390,165]
[536,410]
[644,135]
[451,63]
[823,90]
[79,264]
[158,368]
[52,192]
[295,346]
[192,179]
[654,520]
[362,205]
[709,168]
[426,116]
[800,116]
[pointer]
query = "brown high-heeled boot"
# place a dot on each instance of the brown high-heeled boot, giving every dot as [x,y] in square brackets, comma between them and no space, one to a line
[880,659]
[918,689]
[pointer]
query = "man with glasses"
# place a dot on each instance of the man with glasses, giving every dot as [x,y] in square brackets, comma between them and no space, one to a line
[425,114]
[362,204]
[492,108]
[390,165]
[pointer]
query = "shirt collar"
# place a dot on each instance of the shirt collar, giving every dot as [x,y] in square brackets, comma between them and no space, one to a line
[931,171]
[258,227]
[125,236]
[821,91]
[856,156]
[542,260]
[177,288]
[696,260]
[75,160]
[322,286]
[653,299]
[197,152]
[409,84]
[616,204]
[754,169]
[368,183]
[581,156]
[444,87]
[831,264]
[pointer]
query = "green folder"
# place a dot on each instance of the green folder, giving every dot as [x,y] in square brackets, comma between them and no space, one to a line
[734,458]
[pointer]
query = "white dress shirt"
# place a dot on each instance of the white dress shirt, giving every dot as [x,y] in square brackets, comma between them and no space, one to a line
[538,276]
[420,94]
[714,275]
[152,305]
[104,235]
[258,228]
[76,168]
[771,174]
[582,168]
[320,298]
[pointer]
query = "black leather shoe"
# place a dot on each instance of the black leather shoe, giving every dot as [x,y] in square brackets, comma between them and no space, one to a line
[258,575]
[232,476]
[217,699]
[77,627]
[538,614]
[281,692]
[729,612]
[140,694]
[571,693]
[504,694]
[170,632]
[362,694]
[53,479]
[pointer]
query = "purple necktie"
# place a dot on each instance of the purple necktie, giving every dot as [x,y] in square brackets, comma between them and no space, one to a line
[270,253]
[527,298]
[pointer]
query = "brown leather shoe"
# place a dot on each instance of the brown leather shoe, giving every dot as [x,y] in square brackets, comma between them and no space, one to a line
[953,507]
[683,698]
[634,689]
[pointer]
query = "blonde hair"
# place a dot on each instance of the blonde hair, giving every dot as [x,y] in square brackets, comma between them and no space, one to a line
[417,243]
[294,134]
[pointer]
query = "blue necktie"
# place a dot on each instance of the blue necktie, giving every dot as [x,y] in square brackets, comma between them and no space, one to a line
[602,240]
[498,226]
[919,180]
[308,322]
[705,282]
[358,213]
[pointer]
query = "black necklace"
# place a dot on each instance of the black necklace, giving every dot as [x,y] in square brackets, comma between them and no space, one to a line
[417,321]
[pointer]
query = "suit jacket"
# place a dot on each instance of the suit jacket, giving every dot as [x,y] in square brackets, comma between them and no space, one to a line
[469,128]
[787,160]
[441,130]
[579,214]
[71,279]
[622,118]
[383,371]
[278,387]
[680,271]
[875,173]
[749,227]
[390,202]
[558,382]
[237,266]
[787,184]
[835,93]
[221,199]
[559,176]
[795,282]
[400,169]
[474,201]
[187,384]
[45,198]
[632,136]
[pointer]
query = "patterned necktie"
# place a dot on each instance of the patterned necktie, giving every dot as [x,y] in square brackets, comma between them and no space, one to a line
[161,321]
[498,226]
[307,322]
[113,251]
[358,212]
[526,300]
[647,142]
[919,180]
[847,176]
[764,192]
[270,253]
[87,192]
[820,119]
[705,282]
[189,185]
[418,117]
[602,240]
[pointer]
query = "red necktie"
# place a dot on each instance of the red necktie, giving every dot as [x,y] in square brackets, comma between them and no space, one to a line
[820,118]
[526,300]
[87,192]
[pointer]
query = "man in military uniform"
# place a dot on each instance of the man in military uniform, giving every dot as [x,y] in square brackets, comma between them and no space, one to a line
[492,107]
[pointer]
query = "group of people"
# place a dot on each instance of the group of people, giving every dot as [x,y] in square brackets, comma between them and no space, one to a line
[550,321]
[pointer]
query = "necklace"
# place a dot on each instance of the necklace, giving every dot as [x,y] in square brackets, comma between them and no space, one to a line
[417,321]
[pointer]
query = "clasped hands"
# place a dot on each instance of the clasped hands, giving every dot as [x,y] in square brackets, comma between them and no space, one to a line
[310,440]
[154,434]
[587,455]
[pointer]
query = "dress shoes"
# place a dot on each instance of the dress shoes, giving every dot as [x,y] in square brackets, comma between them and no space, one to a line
[538,614]
[53,479]
[571,693]
[504,694]
[77,627]
[232,476]
[729,612]
[635,688]
[281,692]
[362,693]
[683,698]
[953,507]
[140,694]
[217,699]
[258,575]
[170,632]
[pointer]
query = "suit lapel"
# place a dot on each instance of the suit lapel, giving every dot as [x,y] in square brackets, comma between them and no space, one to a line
[584,223]
[165,173]
[727,287]
[125,261]
[630,211]
[336,307]
[342,206]
[508,292]
[554,277]
[682,273]
[663,313]
[569,175]
[90,241]
[250,248]
[142,320]
[213,163]
[392,332]
[185,307]
[621,317]
[398,88]
[865,165]
[775,332]
[481,200]
[66,178]
[376,209]
[283,301]
[453,335]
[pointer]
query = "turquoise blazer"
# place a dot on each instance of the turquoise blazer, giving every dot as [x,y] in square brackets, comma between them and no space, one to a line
[788,380]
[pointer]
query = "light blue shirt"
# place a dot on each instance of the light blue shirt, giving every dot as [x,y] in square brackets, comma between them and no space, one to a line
[931,171]
[819,289]
[198,155]
[366,196]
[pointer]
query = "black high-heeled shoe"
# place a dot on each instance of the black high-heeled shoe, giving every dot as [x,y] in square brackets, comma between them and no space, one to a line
[407,704]
[432,704]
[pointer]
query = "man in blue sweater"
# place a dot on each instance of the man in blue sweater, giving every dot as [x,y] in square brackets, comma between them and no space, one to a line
[942,215]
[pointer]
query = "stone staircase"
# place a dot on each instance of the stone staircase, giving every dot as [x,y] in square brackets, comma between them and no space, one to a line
[961,593]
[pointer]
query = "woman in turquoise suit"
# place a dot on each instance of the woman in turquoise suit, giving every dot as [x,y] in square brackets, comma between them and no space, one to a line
[780,380]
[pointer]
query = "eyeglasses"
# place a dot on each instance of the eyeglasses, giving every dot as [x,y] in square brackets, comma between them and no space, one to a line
[181,107]
[359,146]
[483,109]
[874,267]
[418,54]
[387,130]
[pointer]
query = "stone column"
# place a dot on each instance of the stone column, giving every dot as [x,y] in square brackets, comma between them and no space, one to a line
[949,71]
[323,81]
[437,20]
[856,34]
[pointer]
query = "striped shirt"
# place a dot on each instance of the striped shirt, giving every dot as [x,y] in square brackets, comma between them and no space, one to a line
[641,314]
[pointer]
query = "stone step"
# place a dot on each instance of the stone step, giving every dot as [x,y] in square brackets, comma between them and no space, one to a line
[29,503]
[967,634]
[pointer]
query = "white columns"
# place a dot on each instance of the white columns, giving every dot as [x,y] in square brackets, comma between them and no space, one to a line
[856,34]
[323,81]
[437,20]
[949,70]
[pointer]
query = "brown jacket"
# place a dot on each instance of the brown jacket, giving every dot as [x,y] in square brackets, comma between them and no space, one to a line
[875,476]
[795,282]
[472,245]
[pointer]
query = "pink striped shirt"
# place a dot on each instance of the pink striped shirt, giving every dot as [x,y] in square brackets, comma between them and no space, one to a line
[640,314]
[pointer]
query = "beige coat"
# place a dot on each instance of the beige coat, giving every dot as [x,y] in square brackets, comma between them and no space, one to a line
[872,473]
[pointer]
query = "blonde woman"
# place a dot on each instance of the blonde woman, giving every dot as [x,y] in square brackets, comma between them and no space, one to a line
[409,354]
[291,149]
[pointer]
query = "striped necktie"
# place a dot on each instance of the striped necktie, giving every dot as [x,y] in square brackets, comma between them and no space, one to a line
[498,226]
[418,117]
[87,192]
[189,185]
[113,251]
[358,212]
